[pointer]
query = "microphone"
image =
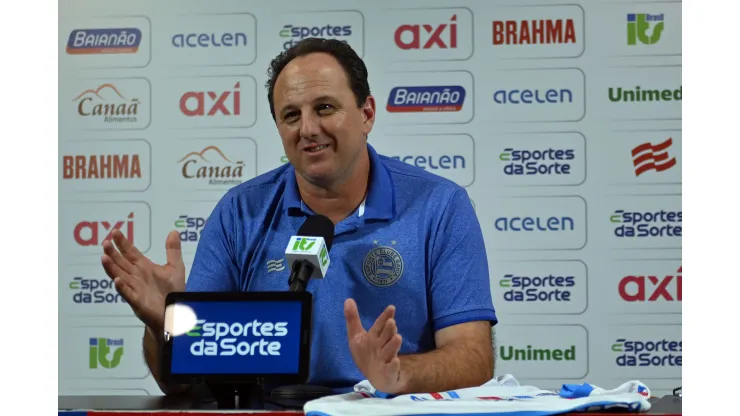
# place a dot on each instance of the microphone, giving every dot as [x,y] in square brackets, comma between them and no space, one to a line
[308,252]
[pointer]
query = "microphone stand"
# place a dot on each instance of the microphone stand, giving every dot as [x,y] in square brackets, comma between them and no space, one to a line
[300,275]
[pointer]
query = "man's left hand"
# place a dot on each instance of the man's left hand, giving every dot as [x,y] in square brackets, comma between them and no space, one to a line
[375,351]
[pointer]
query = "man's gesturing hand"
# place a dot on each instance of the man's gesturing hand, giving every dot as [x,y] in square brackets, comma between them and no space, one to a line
[143,284]
[375,351]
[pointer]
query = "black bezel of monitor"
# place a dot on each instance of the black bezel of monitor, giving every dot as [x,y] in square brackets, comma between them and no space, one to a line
[300,377]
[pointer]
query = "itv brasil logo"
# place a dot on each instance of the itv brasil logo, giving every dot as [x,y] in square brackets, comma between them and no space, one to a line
[105,352]
[227,339]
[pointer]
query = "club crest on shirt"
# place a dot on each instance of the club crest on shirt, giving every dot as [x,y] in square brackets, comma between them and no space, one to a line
[383,265]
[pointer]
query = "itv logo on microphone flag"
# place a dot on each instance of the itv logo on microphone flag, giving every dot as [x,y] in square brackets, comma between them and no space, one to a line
[312,249]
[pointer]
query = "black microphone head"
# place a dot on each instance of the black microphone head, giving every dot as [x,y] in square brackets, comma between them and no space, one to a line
[318,226]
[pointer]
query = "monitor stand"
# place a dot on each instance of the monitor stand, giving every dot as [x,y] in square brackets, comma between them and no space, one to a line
[245,396]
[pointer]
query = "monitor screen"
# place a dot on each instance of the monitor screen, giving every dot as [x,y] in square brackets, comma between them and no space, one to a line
[247,334]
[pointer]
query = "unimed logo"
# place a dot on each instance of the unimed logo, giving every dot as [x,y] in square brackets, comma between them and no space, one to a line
[529,353]
[226,339]
[105,352]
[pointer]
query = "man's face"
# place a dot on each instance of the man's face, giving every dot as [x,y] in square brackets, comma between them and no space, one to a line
[316,112]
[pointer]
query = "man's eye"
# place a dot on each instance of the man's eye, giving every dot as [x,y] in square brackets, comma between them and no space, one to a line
[290,116]
[325,107]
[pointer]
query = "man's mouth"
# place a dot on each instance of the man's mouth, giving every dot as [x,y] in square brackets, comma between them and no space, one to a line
[314,149]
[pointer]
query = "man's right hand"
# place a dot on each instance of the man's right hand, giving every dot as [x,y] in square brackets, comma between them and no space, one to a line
[143,284]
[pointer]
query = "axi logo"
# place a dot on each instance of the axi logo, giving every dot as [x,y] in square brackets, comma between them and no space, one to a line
[94,291]
[638,25]
[115,166]
[510,353]
[546,288]
[229,333]
[89,233]
[226,103]
[534,224]
[100,348]
[634,288]
[661,353]
[426,99]
[524,162]
[427,36]
[191,227]
[534,32]
[647,224]
[107,102]
[103,41]
[211,164]
[647,156]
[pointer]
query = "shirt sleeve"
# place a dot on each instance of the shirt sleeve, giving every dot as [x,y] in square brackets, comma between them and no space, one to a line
[460,287]
[215,267]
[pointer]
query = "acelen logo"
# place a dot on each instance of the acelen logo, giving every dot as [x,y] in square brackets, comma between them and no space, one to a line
[427,36]
[210,103]
[93,233]
[639,288]
[534,32]
[647,156]
[112,166]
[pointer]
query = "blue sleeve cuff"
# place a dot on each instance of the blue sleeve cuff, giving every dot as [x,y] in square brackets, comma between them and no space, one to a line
[467,316]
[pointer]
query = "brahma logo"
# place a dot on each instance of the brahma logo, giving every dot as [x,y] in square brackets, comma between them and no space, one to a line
[654,353]
[426,99]
[534,32]
[101,166]
[237,338]
[641,288]
[647,157]
[103,41]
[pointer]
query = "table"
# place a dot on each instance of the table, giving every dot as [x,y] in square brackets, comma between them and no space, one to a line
[188,406]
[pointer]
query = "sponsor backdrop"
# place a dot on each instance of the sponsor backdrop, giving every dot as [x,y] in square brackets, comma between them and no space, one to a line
[562,121]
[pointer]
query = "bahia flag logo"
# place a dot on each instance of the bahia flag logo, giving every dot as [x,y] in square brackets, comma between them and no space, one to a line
[426,99]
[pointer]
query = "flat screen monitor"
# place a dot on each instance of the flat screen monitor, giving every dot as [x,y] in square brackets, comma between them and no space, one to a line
[225,337]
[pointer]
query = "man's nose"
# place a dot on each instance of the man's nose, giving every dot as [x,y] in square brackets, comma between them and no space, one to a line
[310,125]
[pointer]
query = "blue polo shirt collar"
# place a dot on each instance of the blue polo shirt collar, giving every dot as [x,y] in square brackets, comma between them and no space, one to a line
[380,200]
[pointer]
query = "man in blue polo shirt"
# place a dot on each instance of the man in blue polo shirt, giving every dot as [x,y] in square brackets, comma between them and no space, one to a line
[421,323]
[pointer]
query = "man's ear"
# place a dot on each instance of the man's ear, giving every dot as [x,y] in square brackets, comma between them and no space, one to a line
[368,112]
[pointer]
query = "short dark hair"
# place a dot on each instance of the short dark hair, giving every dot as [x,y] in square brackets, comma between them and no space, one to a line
[352,64]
